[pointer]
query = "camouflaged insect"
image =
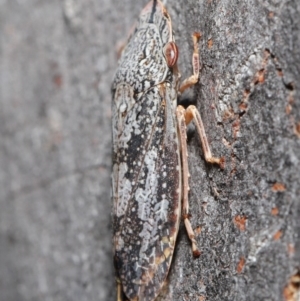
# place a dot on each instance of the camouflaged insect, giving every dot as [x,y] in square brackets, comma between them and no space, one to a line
[150,172]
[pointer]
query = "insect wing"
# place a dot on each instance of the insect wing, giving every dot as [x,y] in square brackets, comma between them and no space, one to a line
[146,161]
[146,195]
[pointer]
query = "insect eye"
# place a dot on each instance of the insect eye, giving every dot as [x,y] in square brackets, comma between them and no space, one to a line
[171,53]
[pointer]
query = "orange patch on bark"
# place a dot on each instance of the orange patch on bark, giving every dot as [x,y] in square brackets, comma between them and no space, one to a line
[57,80]
[243,106]
[277,235]
[236,127]
[198,230]
[241,265]
[210,43]
[288,109]
[260,77]
[274,211]
[278,187]
[297,129]
[271,14]
[240,222]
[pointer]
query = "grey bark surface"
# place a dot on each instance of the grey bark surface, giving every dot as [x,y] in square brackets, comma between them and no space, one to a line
[57,60]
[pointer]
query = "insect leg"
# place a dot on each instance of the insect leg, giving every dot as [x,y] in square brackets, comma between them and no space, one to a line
[119,290]
[180,111]
[191,113]
[193,79]
[184,117]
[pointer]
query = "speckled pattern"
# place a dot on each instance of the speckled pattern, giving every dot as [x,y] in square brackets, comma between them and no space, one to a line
[146,160]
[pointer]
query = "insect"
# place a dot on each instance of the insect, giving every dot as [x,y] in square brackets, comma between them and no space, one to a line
[150,169]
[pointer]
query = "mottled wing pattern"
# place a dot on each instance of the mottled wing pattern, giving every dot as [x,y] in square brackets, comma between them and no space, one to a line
[146,162]
[146,197]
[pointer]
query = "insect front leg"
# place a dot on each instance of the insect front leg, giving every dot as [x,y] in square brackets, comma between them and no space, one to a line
[193,79]
[191,113]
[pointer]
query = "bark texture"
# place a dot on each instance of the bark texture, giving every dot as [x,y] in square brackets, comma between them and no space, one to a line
[57,59]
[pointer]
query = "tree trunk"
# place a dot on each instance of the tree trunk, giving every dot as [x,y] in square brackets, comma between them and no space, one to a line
[57,59]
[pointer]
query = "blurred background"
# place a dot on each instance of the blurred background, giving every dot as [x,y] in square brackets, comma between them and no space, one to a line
[57,60]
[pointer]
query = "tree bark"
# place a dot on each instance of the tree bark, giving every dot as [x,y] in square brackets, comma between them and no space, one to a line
[57,61]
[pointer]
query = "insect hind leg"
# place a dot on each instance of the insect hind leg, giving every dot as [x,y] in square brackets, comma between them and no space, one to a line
[185,175]
[120,294]
[183,118]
